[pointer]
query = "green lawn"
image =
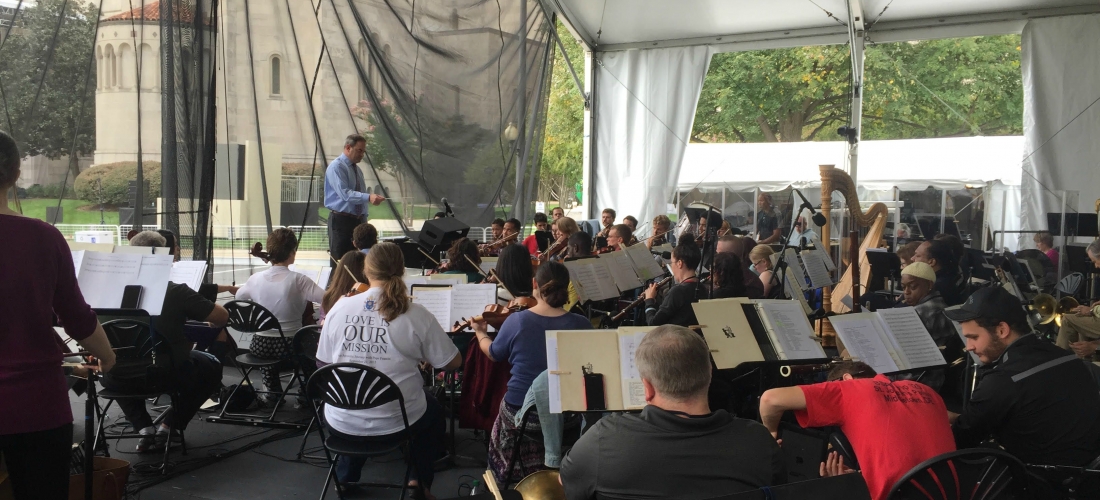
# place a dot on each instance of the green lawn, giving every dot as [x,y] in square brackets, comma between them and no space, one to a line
[36,208]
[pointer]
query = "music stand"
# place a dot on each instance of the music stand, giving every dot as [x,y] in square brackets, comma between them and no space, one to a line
[1077,224]
[886,265]
[979,268]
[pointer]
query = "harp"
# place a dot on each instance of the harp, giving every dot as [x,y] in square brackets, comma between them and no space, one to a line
[834,179]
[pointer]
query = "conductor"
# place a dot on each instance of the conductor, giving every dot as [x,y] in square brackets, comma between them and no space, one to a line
[345,195]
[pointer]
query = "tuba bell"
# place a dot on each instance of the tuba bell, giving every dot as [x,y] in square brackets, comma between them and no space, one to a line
[1045,306]
[541,485]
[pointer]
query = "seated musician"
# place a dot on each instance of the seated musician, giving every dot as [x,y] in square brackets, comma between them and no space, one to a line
[580,247]
[532,242]
[402,334]
[607,219]
[498,228]
[1036,401]
[917,280]
[485,382]
[632,223]
[223,347]
[803,234]
[677,447]
[676,308]
[1045,243]
[513,229]
[761,264]
[1080,331]
[892,426]
[556,213]
[906,252]
[521,341]
[364,237]
[464,259]
[348,272]
[940,255]
[285,293]
[618,237]
[661,233]
[196,374]
[735,245]
[726,274]
[561,229]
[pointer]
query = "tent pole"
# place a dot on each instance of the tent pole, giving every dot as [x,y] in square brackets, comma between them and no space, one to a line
[856,40]
[588,156]
[519,204]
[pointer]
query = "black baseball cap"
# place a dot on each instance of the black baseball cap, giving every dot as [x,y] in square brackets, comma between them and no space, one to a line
[991,302]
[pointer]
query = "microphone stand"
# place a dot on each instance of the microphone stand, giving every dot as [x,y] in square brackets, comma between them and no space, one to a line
[780,273]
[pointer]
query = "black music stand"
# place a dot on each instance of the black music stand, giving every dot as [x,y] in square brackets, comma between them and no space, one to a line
[885,266]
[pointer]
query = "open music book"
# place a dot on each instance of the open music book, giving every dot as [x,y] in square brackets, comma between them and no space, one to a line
[609,353]
[612,273]
[103,277]
[889,340]
[451,303]
[188,272]
[741,331]
[319,274]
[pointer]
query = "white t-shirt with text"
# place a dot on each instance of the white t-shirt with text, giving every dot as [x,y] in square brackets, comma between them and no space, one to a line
[355,332]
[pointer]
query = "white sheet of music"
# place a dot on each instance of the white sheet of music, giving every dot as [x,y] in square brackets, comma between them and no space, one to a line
[593,276]
[622,270]
[861,335]
[645,266]
[816,270]
[791,329]
[153,278]
[819,249]
[78,257]
[188,272]
[574,278]
[468,301]
[133,250]
[488,264]
[914,342]
[604,281]
[553,380]
[437,300]
[794,289]
[103,276]
[633,390]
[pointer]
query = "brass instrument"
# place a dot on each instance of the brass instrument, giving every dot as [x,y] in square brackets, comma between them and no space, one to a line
[1050,309]
[541,485]
[875,218]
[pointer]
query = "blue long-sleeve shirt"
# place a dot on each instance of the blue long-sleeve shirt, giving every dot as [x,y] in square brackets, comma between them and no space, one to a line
[344,187]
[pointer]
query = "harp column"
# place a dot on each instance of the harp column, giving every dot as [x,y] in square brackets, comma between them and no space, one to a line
[826,328]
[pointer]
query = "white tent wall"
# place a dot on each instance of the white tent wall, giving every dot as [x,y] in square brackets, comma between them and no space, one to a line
[1061,78]
[643,119]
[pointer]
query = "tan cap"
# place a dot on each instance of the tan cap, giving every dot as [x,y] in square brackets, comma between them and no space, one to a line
[920,270]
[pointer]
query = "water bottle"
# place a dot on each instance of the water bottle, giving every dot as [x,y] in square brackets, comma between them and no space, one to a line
[477,488]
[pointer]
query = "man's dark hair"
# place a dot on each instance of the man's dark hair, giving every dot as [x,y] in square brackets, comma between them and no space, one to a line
[957,247]
[169,240]
[353,139]
[364,236]
[280,244]
[497,222]
[631,219]
[514,269]
[943,253]
[582,241]
[540,217]
[609,211]
[623,231]
[688,252]
[1014,317]
[856,369]
[727,273]
[515,223]
[439,215]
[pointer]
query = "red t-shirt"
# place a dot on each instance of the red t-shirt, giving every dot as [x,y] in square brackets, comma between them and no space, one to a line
[893,426]
[532,244]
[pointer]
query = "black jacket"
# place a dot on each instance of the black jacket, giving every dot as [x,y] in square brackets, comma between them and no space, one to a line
[1037,401]
[676,307]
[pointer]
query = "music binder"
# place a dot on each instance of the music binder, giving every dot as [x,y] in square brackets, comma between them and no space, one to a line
[741,331]
[610,353]
[451,303]
[888,340]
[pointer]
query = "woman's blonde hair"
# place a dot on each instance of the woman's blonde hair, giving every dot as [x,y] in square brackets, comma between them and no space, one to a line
[348,271]
[567,226]
[385,266]
[759,252]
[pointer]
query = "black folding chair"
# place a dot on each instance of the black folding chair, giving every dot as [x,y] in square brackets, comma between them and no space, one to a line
[352,386]
[304,347]
[249,317]
[974,473]
[842,487]
[139,364]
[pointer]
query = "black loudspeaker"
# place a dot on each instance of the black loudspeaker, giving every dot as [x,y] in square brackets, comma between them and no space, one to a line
[440,233]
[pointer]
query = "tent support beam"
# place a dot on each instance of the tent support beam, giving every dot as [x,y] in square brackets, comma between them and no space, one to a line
[857,39]
[588,155]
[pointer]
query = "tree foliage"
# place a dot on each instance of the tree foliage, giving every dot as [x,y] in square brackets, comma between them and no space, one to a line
[48,128]
[110,182]
[934,88]
[562,151]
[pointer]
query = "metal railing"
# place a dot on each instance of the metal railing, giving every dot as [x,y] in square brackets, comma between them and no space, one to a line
[295,188]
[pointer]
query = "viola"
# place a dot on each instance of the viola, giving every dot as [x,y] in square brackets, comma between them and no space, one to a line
[554,249]
[604,250]
[495,314]
[357,289]
[258,252]
[495,245]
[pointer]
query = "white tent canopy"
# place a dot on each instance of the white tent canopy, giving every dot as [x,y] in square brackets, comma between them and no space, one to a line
[910,164]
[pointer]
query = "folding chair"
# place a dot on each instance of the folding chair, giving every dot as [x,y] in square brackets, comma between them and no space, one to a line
[352,386]
[249,317]
[304,348]
[984,473]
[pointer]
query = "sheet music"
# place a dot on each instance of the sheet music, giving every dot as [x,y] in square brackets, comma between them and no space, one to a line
[622,270]
[153,278]
[575,279]
[633,390]
[816,270]
[468,301]
[794,290]
[604,282]
[133,250]
[78,257]
[861,336]
[188,272]
[488,264]
[103,276]
[790,328]
[645,266]
[819,249]
[553,381]
[448,279]
[914,342]
[437,300]
[592,276]
[162,251]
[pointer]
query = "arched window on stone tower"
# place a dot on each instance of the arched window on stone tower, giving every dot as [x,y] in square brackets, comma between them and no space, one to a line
[276,75]
[110,66]
[126,67]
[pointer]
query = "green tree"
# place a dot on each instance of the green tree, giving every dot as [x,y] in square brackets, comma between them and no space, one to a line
[563,147]
[934,88]
[48,129]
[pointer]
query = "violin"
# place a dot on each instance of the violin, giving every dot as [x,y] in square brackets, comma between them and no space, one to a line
[604,250]
[600,235]
[495,245]
[554,249]
[495,314]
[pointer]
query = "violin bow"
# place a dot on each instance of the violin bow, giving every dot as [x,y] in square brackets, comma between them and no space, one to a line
[472,263]
[421,250]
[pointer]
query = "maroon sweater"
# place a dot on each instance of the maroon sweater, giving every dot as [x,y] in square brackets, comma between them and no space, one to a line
[37,281]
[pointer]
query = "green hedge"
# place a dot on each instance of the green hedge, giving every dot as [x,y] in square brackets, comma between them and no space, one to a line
[115,180]
[303,169]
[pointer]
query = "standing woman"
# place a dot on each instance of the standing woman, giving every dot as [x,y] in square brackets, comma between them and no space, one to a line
[401,335]
[284,293]
[522,342]
[37,282]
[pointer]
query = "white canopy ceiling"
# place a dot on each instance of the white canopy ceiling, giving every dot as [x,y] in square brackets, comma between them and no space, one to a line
[912,164]
[610,25]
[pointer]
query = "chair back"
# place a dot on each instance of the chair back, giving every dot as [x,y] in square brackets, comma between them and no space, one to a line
[249,317]
[978,473]
[140,355]
[842,487]
[304,345]
[353,386]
